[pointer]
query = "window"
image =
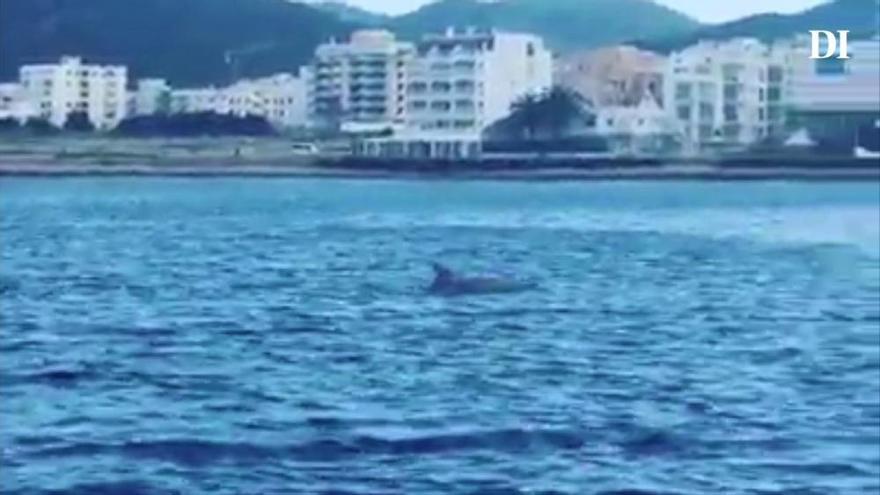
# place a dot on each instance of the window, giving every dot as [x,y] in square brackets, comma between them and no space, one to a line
[464,86]
[730,113]
[774,94]
[731,72]
[731,91]
[707,111]
[442,106]
[683,112]
[682,91]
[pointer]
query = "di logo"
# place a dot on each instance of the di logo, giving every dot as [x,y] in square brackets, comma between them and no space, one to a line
[834,45]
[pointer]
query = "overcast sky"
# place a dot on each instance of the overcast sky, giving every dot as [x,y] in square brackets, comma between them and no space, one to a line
[704,10]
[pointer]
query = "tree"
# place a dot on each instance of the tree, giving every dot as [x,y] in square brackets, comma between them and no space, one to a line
[552,114]
[526,115]
[561,108]
[78,122]
[40,127]
[9,124]
[194,124]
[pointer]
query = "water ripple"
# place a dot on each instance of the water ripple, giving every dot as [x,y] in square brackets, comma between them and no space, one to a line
[274,336]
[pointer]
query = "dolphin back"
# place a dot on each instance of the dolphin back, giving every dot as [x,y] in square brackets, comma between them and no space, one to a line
[446,282]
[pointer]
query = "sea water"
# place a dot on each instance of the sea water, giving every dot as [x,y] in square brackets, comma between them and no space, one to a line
[260,336]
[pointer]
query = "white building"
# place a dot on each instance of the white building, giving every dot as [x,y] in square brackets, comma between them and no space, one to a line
[727,93]
[14,103]
[360,82]
[57,90]
[645,127]
[194,100]
[459,83]
[463,81]
[281,99]
[151,96]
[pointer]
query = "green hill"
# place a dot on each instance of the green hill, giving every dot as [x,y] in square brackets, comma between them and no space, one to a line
[565,24]
[858,16]
[186,41]
[197,42]
[349,13]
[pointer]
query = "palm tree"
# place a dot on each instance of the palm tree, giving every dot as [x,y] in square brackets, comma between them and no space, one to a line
[525,116]
[552,113]
[564,108]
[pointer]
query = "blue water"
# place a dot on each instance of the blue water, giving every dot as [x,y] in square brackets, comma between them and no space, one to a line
[262,336]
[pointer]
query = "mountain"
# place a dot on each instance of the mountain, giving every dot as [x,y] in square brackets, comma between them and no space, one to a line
[858,16]
[350,13]
[185,41]
[564,24]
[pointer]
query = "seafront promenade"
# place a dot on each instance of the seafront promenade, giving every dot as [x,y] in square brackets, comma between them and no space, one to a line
[68,156]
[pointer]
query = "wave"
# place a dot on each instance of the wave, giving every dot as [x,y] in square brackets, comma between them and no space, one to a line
[194,452]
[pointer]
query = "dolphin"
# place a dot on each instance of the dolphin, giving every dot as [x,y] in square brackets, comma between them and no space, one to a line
[447,283]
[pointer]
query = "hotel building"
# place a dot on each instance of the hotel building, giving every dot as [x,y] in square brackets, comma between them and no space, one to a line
[360,84]
[463,81]
[460,82]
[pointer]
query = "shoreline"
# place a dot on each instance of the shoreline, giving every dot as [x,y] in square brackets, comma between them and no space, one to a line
[310,169]
[68,156]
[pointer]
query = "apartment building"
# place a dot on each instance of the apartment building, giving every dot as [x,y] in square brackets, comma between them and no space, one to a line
[459,83]
[360,83]
[56,90]
[616,76]
[463,81]
[727,93]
